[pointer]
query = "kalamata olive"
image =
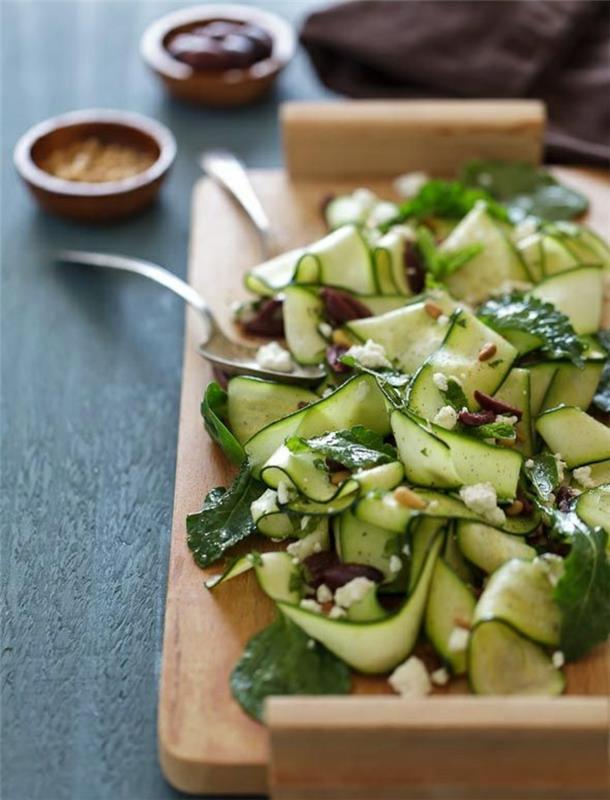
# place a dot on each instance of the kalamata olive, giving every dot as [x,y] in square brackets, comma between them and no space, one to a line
[261,39]
[199,52]
[240,49]
[565,497]
[414,267]
[317,563]
[497,406]
[340,307]
[474,419]
[222,45]
[340,574]
[268,319]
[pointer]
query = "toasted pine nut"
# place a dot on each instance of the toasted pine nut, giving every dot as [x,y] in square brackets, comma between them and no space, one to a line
[405,497]
[487,351]
[514,509]
[461,622]
[507,442]
[341,338]
[338,477]
[432,309]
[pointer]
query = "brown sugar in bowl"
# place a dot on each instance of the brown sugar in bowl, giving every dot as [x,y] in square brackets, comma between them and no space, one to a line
[102,200]
[230,87]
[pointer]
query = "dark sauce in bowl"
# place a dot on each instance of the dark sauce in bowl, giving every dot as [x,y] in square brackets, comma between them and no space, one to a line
[221,45]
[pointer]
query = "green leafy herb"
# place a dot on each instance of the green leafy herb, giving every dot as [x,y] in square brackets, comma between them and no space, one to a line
[525,190]
[583,593]
[224,520]
[516,312]
[283,660]
[492,430]
[392,383]
[447,199]
[355,448]
[543,475]
[602,396]
[454,395]
[214,413]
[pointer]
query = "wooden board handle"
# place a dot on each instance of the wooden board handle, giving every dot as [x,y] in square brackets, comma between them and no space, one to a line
[384,138]
[521,748]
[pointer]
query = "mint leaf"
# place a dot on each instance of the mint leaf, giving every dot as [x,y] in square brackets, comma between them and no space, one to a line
[516,312]
[356,448]
[543,475]
[524,190]
[281,661]
[583,593]
[214,413]
[447,199]
[454,395]
[224,520]
[492,430]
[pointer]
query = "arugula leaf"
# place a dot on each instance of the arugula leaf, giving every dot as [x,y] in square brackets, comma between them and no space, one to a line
[602,396]
[543,475]
[525,190]
[448,199]
[356,448]
[214,413]
[280,660]
[583,593]
[438,263]
[516,312]
[224,520]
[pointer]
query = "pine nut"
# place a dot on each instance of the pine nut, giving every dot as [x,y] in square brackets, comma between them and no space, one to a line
[405,497]
[461,622]
[338,477]
[340,338]
[432,309]
[514,509]
[487,351]
[507,442]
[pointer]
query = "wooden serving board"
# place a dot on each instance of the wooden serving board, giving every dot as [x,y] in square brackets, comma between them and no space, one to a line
[207,744]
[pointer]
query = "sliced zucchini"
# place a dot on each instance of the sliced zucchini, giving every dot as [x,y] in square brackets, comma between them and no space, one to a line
[521,594]
[362,543]
[501,662]
[573,386]
[454,557]
[541,376]
[497,263]
[275,572]
[268,278]
[599,473]
[269,519]
[303,313]
[458,358]
[488,548]
[578,293]
[389,258]
[425,456]
[254,403]
[423,532]
[578,437]
[531,250]
[349,209]
[343,500]
[516,392]
[345,261]
[593,507]
[383,477]
[450,602]
[303,470]
[372,647]
[557,257]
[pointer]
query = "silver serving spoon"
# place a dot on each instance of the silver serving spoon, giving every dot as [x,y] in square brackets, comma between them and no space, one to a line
[217,348]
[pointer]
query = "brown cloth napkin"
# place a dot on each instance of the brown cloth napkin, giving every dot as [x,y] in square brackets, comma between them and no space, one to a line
[555,50]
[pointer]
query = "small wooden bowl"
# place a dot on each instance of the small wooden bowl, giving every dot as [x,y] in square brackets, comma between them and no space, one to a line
[94,202]
[223,88]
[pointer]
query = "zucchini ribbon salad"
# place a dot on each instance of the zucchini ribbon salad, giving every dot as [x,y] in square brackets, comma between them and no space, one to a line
[439,505]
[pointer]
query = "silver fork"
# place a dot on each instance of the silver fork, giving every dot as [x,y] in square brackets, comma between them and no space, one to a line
[216,348]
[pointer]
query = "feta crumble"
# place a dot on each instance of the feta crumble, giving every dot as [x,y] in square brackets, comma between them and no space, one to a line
[561,465]
[365,197]
[352,592]
[285,492]
[507,420]
[409,184]
[582,475]
[324,594]
[410,679]
[482,499]
[525,228]
[440,676]
[337,612]
[370,354]
[273,356]
[304,523]
[442,320]
[558,659]
[311,644]
[440,381]
[395,564]
[529,463]
[308,545]
[311,605]
[325,329]
[265,504]
[382,212]
[446,418]
[458,640]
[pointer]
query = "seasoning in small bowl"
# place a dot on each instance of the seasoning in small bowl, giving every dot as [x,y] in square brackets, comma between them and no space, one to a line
[95,165]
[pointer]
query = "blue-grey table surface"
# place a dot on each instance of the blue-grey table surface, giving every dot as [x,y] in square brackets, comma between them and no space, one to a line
[91,367]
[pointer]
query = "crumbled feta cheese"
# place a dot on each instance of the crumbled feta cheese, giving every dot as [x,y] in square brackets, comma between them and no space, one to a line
[409,184]
[529,463]
[311,644]
[325,329]
[324,594]
[507,420]
[382,212]
[304,523]
[582,475]
[365,197]
[395,564]
[482,499]
[558,659]
[285,492]
[561,465]
[432,505]
[442,320]
[311,605]
[306,546]
[328,390]
[352,592]
[446,418]
[273,356]
[440,381]
[370,354]
[410,679]
[265,504]
[317,548]
[506,287]
[525,228]
[553,565]
[440,676]
[337,612]
[458,640]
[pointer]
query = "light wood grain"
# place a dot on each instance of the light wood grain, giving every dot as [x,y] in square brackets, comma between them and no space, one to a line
[388,137]
[206,743]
